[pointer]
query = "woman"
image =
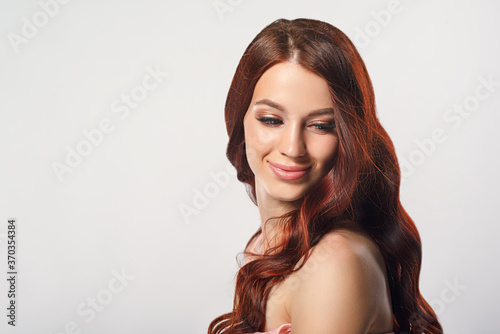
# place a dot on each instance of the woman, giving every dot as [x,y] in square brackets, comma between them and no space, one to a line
[336,252]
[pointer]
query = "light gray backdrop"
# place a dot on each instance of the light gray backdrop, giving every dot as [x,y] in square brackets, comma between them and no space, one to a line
[112,153]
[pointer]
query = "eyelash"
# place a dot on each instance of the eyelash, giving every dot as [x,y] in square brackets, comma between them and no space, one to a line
[271,121]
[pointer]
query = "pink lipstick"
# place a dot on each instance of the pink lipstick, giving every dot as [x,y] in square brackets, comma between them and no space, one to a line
[287,172]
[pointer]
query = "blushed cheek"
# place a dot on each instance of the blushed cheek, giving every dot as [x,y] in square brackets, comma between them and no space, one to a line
[261,135]
[258,142]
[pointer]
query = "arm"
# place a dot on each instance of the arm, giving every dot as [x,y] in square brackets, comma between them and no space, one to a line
[338,296]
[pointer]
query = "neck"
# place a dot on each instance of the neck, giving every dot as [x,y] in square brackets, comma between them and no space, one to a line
[270,209]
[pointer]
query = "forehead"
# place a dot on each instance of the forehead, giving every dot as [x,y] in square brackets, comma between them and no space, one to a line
[293,86]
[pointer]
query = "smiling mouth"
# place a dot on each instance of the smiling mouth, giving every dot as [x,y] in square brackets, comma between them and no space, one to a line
[288,172]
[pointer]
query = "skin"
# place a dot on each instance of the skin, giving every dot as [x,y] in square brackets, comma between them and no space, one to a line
[343,287]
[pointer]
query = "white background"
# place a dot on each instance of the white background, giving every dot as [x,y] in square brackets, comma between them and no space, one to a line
[119,208]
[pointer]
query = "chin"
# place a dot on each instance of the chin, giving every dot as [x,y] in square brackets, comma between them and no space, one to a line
[288,195]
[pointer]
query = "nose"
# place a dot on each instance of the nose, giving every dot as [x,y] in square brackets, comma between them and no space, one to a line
[292,142]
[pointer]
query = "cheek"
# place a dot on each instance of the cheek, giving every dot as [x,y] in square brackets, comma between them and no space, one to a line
[257,141]
[260,135]
[325,152]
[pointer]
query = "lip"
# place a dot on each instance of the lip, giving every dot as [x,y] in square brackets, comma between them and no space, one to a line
[287,172]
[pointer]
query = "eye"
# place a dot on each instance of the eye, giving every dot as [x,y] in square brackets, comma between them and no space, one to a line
[270,120]
[321,127]
[324,127]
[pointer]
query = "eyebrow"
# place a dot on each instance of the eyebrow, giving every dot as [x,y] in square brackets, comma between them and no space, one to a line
[275,105]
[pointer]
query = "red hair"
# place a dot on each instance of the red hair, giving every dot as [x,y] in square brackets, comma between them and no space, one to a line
[363,185]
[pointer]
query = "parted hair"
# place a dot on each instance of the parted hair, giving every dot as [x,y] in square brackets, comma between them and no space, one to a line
[363,185]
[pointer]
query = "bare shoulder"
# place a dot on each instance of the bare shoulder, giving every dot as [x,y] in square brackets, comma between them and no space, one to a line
[341,243]
[341,286]
[343,249]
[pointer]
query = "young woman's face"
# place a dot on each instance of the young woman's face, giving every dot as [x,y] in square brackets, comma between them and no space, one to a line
[290,134]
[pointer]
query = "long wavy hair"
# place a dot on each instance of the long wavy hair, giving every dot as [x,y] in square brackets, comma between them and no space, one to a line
[362,186]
